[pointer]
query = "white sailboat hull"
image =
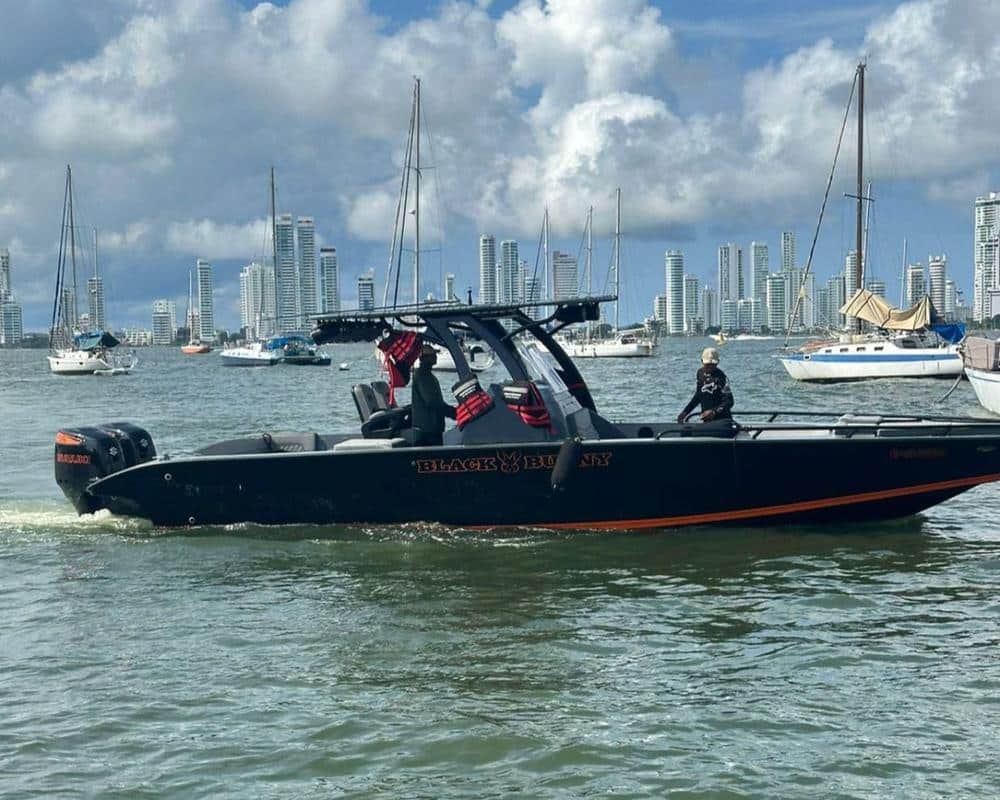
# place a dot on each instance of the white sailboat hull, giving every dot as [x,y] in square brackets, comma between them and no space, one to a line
[986,385]
[608,349]
[478,359]
[83,362]
[870,360]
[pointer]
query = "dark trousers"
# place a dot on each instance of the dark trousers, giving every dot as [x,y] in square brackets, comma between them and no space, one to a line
[426,438]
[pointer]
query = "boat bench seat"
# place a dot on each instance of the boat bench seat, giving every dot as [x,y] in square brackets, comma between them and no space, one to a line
[281,442]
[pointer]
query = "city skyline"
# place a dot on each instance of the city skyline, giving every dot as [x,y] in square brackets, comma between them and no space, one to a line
[710,143]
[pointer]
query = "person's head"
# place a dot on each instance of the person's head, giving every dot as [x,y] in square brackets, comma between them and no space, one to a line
[710,357]
[428,356]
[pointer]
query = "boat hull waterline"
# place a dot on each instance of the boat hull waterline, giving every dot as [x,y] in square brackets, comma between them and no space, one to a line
[939,362]
[986,385]
[617,485]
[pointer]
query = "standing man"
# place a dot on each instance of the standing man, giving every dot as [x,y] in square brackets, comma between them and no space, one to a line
[711,390]
[428,406]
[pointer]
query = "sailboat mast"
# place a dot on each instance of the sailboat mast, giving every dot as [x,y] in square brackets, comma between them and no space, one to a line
[861,172]
[618,254]
[71,322]
[416,207]
[590,251]
[545,253]
[902,275]
[868,217]
[274,257]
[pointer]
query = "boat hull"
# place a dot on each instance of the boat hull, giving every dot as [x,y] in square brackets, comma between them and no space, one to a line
[893,362]
[618,484]
[609,350]
[986,385]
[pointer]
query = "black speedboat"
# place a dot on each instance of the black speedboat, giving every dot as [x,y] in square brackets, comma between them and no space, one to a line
[530,450]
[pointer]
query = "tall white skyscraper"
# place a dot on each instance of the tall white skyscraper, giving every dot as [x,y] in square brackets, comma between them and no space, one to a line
[916,283]
[950,298]
[164,322]
[206,303]
[329,272]
[305,235]
[986,244]
[95,303]
[709,306]
[11,323]
[532,292]
[937,274]
[731,286]
[759,269]
[449,286]
[787,251]
[366,291]
[850,282]
[257,301]
[876,287]
[487,269]
[674,283]
[6,290]
[287,293]
[508,275]
[777,301]
[692,308]
[660,308]
[565,278]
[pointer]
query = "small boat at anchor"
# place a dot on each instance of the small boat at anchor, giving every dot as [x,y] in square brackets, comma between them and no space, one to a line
[530,449]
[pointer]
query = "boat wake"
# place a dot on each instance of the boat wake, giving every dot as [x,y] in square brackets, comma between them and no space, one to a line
[33,519]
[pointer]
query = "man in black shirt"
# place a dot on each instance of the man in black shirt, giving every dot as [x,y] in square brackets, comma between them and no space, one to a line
[428,406]
[711,391]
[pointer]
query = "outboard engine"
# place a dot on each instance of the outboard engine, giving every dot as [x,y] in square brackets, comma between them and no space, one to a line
[84,455]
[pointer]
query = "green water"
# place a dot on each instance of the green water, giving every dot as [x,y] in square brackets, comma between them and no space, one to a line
[423,662]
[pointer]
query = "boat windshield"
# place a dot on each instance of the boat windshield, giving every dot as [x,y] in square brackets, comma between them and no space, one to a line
[541,365]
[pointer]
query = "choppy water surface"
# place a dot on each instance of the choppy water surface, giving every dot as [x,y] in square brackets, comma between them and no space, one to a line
[262,662]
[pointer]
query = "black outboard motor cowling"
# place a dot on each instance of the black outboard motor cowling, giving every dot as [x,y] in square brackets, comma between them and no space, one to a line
[84,455]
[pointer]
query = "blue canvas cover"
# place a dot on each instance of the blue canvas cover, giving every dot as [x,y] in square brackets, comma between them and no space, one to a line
[94,339]
[953,332]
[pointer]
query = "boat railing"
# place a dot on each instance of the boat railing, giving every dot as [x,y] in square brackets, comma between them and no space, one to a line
[846,423]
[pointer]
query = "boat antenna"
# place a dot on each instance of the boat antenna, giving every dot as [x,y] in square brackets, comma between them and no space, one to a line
[416,205]
[618,255]
[822,212]
[859,242]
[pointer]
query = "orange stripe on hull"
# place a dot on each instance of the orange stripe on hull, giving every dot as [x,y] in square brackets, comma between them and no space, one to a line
[767,511]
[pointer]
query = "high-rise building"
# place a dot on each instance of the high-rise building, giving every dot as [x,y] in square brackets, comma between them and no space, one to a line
[305,235]
[876,287]
[257,301]
[759,270]
[777,301]
[660,308]
[787,251]
[286,277]
[329,272]
[674,283]
[836,297]
[164,322]
[808,303]
[986,244]
[731,272]
[565,282]
[794,307]
[729,316]
[95,303]
[531,291]
[709,306]
[487,269]
[950,301]
[6,290]
[937,274]
[366,291]
[850,281]
[11,322]
[449,286]
[206,302]
[508,280]
[693,319]
[916,283]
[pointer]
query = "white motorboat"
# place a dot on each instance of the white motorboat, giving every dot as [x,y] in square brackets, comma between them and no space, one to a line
[623,345]
[253,354]
[478,357]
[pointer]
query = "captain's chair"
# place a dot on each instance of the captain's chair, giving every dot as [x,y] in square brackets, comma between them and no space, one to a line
[378,421]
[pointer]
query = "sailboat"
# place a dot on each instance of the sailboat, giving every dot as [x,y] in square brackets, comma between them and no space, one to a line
[633,343]
[257,353]
[910,343]
[72,351]
[194,346]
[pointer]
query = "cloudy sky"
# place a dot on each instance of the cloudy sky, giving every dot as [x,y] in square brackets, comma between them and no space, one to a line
[718,120]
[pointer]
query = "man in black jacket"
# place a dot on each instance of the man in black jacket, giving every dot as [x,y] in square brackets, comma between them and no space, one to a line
[711,390]
[429,407]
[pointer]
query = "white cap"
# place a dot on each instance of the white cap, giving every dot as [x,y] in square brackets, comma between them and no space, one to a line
[709,356]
